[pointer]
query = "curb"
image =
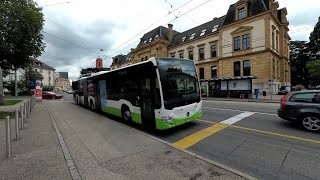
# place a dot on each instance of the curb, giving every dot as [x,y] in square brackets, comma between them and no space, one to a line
[67,156]
[244,175]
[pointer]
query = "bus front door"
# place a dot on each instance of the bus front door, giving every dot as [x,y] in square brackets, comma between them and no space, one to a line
[147,112]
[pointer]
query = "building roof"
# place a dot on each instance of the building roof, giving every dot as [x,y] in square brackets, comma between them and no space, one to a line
[199,31]
[254,7]
[160,32]
[38,64]
[121,59]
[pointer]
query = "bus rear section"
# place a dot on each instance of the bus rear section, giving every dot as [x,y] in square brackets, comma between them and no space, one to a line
[181,100]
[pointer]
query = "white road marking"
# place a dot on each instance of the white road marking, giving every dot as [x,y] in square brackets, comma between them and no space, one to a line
[235,110]
[237,118]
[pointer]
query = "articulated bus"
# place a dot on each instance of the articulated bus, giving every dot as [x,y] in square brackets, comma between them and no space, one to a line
[159,93]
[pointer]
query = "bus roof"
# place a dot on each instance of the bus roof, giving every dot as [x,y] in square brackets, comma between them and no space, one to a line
[152,59]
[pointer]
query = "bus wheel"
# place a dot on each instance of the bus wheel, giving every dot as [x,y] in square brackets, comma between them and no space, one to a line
[126,114]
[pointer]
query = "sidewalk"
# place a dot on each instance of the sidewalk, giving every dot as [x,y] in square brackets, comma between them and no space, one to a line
[262,99]
[99,147]
[37,155]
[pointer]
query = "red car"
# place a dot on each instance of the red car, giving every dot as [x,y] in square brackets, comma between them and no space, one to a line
[51,95]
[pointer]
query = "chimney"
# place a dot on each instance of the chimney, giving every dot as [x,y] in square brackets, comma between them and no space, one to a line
[99,63]
[170,32]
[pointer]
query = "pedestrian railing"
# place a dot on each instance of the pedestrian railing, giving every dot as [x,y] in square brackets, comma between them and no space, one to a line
[21,116]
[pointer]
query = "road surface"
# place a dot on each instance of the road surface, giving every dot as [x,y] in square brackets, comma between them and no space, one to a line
[254,141]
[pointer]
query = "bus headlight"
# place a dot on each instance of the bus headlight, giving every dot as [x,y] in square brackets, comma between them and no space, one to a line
[167,119]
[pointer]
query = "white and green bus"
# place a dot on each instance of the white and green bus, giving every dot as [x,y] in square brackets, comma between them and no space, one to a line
[159,93]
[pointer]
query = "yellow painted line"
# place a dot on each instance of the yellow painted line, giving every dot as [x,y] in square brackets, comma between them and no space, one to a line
[267,132]
[198,136]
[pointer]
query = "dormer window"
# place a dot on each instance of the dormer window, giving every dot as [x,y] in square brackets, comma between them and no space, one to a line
[242,13]
[150,40]
[192,36]
[203,32]
[184,38]
[215,28]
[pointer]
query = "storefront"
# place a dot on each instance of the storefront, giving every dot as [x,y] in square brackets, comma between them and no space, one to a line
[236,87]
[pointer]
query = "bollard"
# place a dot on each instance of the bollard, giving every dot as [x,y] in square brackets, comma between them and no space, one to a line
[8,137]
[30,107]
[17,124]
[27,108]
[22,116]
[25,111]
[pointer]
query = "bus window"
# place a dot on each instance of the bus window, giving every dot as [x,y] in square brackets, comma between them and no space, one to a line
[157,100]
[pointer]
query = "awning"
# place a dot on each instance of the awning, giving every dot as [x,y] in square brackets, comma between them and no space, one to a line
[230,78]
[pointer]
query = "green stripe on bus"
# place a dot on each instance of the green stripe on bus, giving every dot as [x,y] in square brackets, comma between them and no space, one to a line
[113,111]
[136,117]
[176,122]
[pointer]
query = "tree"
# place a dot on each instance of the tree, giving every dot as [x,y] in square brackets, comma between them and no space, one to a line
[299,57]
[314,38]
[21,22]
[89,71]
[302,55]
[314,70]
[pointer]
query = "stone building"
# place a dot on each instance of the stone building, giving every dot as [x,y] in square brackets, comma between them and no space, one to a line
[244,50]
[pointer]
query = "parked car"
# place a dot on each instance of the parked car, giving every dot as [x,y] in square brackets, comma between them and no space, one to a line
[318,87]
[51,95]
[284,90]
[302,107]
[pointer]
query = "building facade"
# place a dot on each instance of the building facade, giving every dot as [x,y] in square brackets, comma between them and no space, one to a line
[64,75]
[62,84]
[46,71]
[244,51]
[11,75]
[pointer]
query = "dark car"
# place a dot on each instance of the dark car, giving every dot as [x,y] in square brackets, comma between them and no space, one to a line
[51,95]
[302,107]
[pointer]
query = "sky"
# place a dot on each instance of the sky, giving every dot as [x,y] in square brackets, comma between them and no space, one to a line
[76,32]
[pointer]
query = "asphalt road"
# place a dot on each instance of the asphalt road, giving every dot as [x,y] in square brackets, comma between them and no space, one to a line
[261,145]
[254,141]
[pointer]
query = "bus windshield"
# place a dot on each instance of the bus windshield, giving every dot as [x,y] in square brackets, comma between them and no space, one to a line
[179,82]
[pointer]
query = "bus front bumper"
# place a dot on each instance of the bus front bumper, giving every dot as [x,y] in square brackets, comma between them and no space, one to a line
[161,125]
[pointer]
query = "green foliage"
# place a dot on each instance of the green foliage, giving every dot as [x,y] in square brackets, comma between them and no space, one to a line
[314,70]
[9,102]
[21,87]
[89,71]
[21,22]
[299,57]
[315,40]
[302,56]
[3,115]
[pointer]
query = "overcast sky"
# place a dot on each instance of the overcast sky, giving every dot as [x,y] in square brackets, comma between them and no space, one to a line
[75,32]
